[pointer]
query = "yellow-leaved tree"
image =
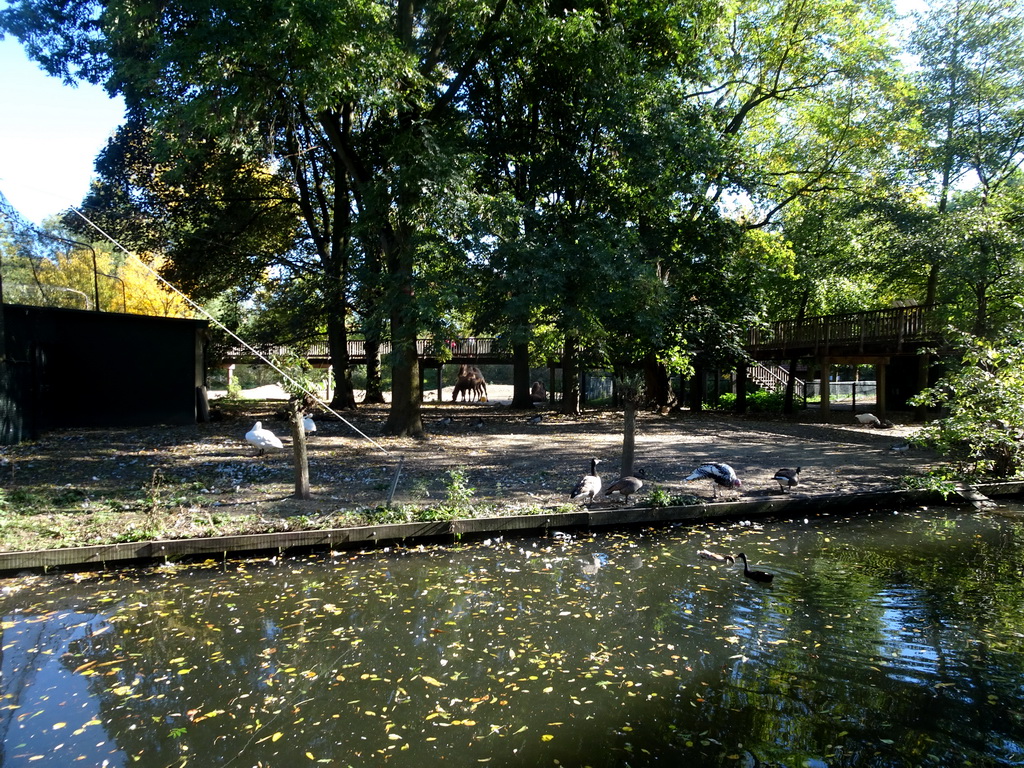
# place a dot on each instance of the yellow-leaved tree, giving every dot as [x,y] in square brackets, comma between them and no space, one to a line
[73,277]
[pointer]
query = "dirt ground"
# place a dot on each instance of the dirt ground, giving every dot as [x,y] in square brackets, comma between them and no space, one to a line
[508,459]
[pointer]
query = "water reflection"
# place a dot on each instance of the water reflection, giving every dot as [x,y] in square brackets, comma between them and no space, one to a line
[889,640]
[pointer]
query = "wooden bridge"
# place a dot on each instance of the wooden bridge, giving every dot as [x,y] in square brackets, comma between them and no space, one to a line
[869,335]
[475,350]
[879,333]
[889,339]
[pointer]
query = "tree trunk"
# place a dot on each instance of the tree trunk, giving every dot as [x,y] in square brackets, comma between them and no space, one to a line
[741,387]
[697,389]
[571,400]
[522,398]
[374,380]
[656,383]
[404,418]
[628,438]
[337,340]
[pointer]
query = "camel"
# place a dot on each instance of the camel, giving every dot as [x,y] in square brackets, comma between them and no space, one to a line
[470,383]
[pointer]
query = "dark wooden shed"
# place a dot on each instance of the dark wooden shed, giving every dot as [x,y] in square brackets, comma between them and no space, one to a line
[63,368]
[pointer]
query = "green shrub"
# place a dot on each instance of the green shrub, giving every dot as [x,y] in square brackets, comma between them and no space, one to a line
[982,433]
[759,401]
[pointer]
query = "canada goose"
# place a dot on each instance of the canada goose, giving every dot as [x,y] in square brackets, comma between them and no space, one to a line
[719,475]
[589,485]
[627,485]
[262,438]
[787,478]
[762,576]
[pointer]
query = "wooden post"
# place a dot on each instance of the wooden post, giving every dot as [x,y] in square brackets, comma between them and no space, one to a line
[299,451]
[440,366]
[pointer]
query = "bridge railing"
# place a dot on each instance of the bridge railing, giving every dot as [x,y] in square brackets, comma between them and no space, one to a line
[462,348]
[898,324]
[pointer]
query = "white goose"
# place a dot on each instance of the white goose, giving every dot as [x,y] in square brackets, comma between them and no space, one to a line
[262,438]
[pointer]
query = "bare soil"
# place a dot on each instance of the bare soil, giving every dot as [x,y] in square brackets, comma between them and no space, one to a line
[94,486]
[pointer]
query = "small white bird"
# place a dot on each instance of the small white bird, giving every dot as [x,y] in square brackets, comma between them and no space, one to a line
[589,485]
[787,478]
[262,438]
[308,424]
[719,475]
[868,419]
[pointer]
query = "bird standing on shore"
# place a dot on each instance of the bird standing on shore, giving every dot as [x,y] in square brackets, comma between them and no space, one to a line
[262,439]
[719,474]
[589,485]
[787,478]
[624,486]
[308,425]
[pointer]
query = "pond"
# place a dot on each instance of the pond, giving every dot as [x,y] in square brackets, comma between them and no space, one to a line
[884,640]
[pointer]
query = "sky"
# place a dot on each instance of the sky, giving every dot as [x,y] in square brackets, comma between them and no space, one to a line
[50,135]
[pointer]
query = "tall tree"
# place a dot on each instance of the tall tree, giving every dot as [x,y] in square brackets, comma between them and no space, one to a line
[353,102]
[971,96]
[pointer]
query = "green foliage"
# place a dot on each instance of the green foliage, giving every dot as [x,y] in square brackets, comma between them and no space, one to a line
[937,481]
[982,433]
[659,497]
[758,401]
[458,495]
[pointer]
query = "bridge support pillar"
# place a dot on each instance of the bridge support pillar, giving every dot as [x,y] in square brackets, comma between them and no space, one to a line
[824,378]
[880,390]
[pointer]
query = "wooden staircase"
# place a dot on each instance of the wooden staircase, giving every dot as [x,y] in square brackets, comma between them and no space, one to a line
[773,378]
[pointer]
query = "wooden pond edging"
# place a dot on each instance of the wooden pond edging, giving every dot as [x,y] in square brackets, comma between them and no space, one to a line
[332,539]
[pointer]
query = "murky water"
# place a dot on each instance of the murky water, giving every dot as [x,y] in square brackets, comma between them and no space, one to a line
[889,640]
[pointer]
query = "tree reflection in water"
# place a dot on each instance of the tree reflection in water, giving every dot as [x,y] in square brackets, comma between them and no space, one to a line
[885,640]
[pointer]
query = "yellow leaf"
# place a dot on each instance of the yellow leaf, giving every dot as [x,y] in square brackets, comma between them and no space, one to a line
[276,736]
[432,681]
[59,725]
[546,737]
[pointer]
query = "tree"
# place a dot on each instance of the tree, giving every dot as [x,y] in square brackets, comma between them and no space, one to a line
[354,105]
[971,99]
